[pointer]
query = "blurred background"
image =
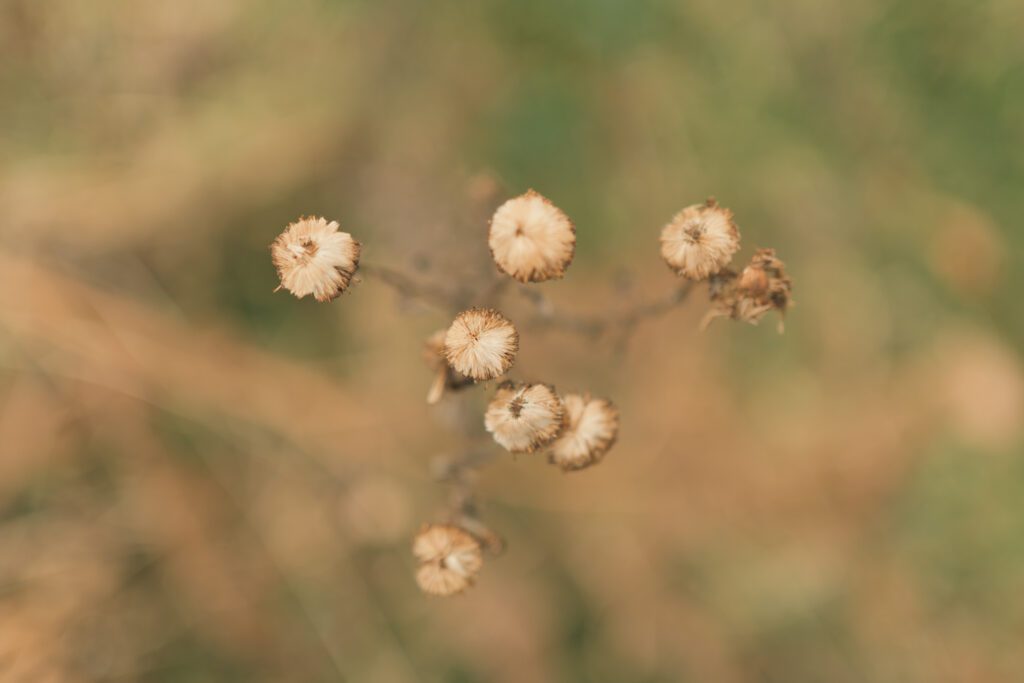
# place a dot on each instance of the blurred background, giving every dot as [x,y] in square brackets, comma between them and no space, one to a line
[201,480]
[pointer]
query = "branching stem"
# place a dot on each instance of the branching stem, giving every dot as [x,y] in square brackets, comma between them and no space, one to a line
[460,472]
[410,288]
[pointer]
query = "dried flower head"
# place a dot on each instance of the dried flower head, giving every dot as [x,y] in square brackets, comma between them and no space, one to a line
[524,417]
[449,559]
[700,240]
[481,343]
[761,287]
[591,428]
[445,378]
[313,257]
[531,239]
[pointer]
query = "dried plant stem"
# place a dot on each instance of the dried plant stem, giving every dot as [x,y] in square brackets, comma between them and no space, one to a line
[546,317]
[530,240]
[409,288]
[454,470]
[622,323]
[461,474]
[490,295]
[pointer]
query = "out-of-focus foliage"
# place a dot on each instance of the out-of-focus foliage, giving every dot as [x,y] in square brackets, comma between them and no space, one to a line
[201,480]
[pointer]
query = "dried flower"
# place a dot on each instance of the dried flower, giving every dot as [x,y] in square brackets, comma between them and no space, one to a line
[524,417]
[700,240]
[313,257]
[481,343]
[761,287]
[445,378]
[591,428]
[449,559]
[531,239]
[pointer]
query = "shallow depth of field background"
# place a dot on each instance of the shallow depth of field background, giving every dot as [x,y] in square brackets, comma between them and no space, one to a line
[201,480]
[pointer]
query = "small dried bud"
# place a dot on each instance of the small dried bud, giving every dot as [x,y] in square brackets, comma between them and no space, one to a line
[524,417]
[433,350]
[433,356]
[531,239]
[761,287]
[700,240]
[753,280]
[592,426]
[313,257]
[481,343]
[449,559]
[445,378]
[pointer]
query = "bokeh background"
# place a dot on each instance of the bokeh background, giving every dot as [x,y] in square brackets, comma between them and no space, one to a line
[201,480]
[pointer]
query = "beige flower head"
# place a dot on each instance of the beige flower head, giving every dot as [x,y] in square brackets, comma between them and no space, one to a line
[761,287]
[481,344]
[531,239]
[449,559]
[524,417]
[700,240]
[313,257]
[591,428]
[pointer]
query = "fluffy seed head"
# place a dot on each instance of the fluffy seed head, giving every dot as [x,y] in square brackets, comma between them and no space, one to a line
[700,240]
[449,559]
[761,287]
[591,428]
[481,344]
[524,417]
[313,257]
[531,239]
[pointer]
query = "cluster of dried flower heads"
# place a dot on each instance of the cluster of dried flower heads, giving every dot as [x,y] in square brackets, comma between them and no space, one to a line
[699,243]
[531,240]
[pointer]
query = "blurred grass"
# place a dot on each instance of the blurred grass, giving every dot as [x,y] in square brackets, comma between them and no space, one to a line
[189,464]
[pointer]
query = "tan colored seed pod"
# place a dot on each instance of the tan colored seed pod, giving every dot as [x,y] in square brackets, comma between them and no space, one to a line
[433,350]
[445,378]
[314,257]
[591,428]
[700,240]
[433,356]
[481,344]
[449,559]
[761,287]
[524,417]
[531,239]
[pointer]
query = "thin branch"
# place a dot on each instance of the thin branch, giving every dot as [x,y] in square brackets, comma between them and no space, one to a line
[460,474]
[457,468]
[409,288]
[489,296]
[595,326]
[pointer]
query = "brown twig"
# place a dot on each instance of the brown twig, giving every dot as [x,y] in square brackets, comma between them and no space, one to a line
[460,474]
[409,288]
[596,326]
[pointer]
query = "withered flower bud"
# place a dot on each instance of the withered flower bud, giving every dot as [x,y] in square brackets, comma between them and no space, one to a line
[591,428]
[700,240]
[313,257]
[445,378]
[433,350]
[449,559]
[481,344]
[531,239]
[761,287]
[524,417]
